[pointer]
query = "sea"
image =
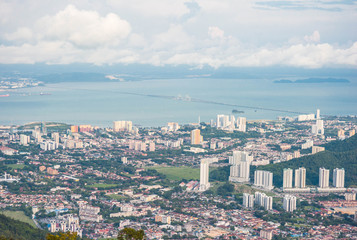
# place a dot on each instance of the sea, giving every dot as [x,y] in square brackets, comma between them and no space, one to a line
[154,102]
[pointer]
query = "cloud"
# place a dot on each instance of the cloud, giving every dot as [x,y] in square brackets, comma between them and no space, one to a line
[315,37]
[84,28]
[22,34]
[152,8]
[215,32]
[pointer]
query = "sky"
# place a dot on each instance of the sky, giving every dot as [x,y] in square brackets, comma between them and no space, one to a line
[217,33]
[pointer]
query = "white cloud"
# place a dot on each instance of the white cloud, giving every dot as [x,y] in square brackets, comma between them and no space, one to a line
[83,28]
[314,37]
[22,34]
[152,8]
[215,32]
[178,32]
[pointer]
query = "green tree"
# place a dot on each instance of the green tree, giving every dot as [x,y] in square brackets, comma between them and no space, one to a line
[62,236]
[131,234]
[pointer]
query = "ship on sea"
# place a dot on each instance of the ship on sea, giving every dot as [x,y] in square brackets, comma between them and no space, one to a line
[44,94]
[5,95]
[237,111]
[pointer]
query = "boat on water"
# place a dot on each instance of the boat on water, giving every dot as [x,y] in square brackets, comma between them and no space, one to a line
[237,111]
[44,94]
[5,95]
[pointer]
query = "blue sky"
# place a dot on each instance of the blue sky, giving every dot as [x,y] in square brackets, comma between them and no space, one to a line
[216,33]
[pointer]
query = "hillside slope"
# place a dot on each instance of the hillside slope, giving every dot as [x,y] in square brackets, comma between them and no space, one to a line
[17,230]
[338,154]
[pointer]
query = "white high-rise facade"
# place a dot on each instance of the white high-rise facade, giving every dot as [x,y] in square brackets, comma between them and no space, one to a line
[24,139]
[204,176]
[289,203]
[263,179]
[324,175]
[226,122]
[240,169]
[263,200]
[300,178]
[318,128]
[318,114]
[287,178]
[248,200]
[242,124]
[339,178]
[122,126]
[204,173]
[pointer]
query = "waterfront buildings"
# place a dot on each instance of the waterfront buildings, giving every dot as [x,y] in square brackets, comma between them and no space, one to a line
[242,124]
[119,126]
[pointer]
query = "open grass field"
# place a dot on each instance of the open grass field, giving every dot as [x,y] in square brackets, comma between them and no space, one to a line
[16,166]
[19,215]
[117,197]
[179,173]
[101,185]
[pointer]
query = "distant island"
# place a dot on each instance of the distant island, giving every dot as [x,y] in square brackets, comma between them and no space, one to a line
[314,80]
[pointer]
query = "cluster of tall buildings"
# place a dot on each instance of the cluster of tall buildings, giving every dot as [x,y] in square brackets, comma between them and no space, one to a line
[230,123]
[81,128]
[239,171]
[324,180]
[300,179]
[120,126]
[65,223]
[48,145]
[263,200]
[263,179]
[138,145]
[90,213]
[338,179]
[260,199]
[308,117]
[289,203]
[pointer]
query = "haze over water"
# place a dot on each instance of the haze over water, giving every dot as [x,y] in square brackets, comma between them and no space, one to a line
[100,103]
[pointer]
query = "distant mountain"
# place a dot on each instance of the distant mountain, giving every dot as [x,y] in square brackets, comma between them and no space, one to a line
[338,154]
[17,230]
[314,80]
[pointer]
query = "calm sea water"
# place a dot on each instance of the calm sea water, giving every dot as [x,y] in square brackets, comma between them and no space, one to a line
[101,103]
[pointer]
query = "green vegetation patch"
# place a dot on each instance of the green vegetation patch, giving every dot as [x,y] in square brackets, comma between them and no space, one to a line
[117,197]
[179,173]
[19,215]
[16,166]
[102,185]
